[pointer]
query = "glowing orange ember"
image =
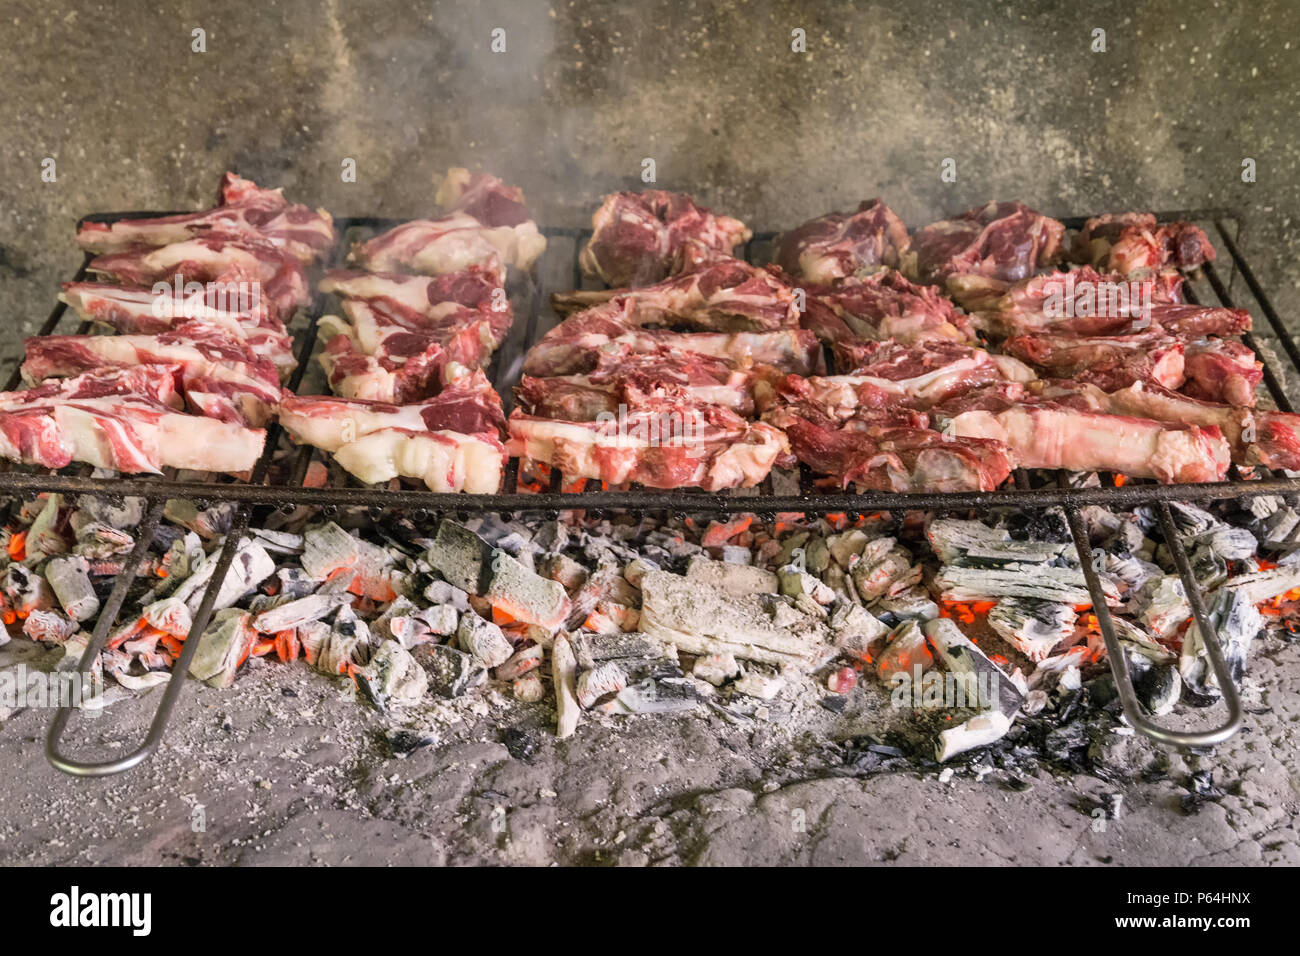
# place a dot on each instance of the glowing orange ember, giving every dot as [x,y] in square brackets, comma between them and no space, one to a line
[1121,481]
[18,546]
[964,611]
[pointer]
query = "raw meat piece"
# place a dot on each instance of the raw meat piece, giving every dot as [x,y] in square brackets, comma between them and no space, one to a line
[445,461]
[1255,436]
[914,376]
[666,443]
[724,296]
[878,452]
[641,238]
[623,376]
[1109,362]
[1078,301]
[570,347]
[421,296]
[1193,321]
[135,309]
[218,258]
[483,196]
[843,244]
[468,405]
[452,243]
[882,307]
[399,358]
[1220,370]
[1003,241]
[246,209]
[124,419]
[1042,433]
[1131,242]
[220,375]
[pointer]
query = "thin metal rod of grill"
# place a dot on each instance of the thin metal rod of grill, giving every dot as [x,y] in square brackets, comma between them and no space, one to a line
[1133,711]
[256,492]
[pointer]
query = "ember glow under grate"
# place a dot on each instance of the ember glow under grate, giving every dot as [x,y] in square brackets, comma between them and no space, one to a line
[1031,492]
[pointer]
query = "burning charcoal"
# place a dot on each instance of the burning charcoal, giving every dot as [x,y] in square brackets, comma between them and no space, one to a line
[298,612]
[591,650]
[634,570]
[391,678]
[222,648]
[279,542]
[911,604]
[876,573]
[760,685]
[704,620]
[795,582]
[905,651]
[1159,688]
[43,537]
[847,546]
[986,685]
[611,618]
[1261,586]
[980,731]
[717,669]
[1131,571]
[70,579]
[249,568]
[1058,585]
[208,523]
[400,608]
[450,672]
[606,678]
[440,592]
[958,541]
[528,688]
[738,579]
[466,561]
[606,583]
[328,550]
[183,557]
[1032,627]
[1162,606]
[667,696]
[331,650]
[564,675]
[1236,621]
[441,619]
[1197,526]
[854,629]
[294,583]
[1209,569]
[53,627]
[373,575]
[528,659]
[169,616]
[25,591]
[483,639]
[97,540]
[735,554]
[562,568]
[122,513]
[552,537]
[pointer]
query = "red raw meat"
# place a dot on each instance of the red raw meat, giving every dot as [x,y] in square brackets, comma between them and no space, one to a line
[841,244]
[641,238]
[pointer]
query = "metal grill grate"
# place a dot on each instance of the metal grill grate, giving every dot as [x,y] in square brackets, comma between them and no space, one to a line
[558,270]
